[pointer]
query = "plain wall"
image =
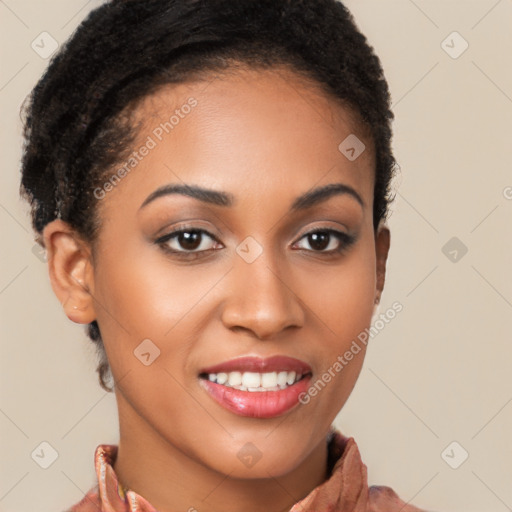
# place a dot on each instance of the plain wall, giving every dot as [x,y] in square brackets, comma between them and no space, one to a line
[438,373]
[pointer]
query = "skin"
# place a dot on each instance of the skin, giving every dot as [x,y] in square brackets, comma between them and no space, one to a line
[266,137]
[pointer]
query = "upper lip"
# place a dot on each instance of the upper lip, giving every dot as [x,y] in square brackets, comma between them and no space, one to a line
[260,365]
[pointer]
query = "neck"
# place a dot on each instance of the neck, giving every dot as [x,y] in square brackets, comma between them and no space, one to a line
[172,480]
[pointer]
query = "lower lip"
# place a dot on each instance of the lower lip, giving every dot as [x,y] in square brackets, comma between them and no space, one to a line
[257,404]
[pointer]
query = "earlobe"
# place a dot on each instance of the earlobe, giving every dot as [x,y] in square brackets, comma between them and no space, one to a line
[382,244]
[70,271]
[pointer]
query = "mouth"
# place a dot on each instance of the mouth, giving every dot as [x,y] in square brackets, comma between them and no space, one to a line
[254,382]
[257,388]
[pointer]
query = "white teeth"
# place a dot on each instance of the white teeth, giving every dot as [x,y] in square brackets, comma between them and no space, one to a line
[291,378]
[282,377]
[252,381]
[234,379]
[269,380]
[222,378]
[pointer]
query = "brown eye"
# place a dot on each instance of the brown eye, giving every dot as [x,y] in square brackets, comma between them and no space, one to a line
[319,240]
[322,239]
[189,240]
[186,241]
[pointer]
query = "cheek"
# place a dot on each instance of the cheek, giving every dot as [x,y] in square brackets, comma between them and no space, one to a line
[151,307]
[345,304]
[140,295]
[345,297]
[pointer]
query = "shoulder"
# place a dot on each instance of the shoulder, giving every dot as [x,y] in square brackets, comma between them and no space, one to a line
[384,499]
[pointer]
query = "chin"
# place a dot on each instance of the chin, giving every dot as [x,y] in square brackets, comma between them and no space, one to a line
[262,453]
[276,465]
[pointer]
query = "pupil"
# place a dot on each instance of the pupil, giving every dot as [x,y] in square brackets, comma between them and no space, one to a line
[314,240]
[190,240]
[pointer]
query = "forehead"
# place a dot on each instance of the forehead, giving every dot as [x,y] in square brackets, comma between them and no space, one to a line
[251,132]
[277,95]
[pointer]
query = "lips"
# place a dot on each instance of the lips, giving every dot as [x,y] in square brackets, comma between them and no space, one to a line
[255,387]
[259,365]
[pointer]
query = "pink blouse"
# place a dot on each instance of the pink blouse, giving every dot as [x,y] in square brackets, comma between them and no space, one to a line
[346,489]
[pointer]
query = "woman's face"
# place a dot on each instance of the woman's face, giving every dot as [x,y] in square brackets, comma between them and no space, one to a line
[248,281]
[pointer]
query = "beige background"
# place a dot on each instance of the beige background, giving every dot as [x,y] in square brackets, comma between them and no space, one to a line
[439,372]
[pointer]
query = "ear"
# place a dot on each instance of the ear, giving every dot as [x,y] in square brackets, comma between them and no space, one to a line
[382,243]
[70,269]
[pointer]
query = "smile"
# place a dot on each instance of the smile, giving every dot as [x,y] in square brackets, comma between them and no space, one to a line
[257,388]
[254,382]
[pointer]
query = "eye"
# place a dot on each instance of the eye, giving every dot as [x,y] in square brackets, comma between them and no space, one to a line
[186,241]
[321,239]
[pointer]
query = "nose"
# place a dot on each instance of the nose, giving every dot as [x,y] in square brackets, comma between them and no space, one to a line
[261,298]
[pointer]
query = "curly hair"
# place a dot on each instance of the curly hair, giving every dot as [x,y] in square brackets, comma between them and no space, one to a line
[75,122]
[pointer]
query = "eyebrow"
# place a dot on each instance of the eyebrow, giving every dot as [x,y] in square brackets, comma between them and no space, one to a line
[219,198]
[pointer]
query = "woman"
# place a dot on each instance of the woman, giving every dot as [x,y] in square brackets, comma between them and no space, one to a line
[210,180]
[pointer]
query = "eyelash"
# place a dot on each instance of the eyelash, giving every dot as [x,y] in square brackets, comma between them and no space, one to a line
[345,240]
